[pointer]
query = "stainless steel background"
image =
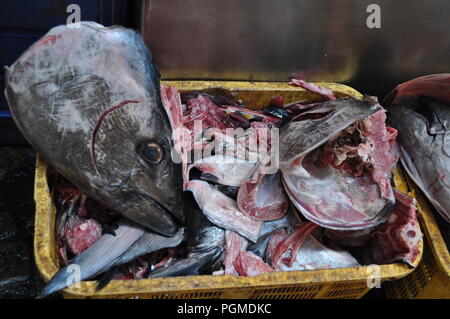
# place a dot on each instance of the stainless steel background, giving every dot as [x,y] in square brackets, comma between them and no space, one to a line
[317,40]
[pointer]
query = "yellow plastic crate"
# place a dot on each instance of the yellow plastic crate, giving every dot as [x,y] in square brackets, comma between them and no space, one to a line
[328,283]
[431,279]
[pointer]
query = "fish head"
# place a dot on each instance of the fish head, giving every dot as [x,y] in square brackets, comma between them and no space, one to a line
[88,100]
[134,172]
[420,110]
[436,86]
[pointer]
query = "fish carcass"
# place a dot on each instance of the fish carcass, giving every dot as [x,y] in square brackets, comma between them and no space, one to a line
[338,173]
[350,155]
[399,237]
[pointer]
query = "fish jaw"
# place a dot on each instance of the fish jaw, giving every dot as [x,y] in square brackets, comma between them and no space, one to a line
[164,188]
[262,197]
[314,255]
[350,203]
[337,115]
[351,157]
[223,211]
[147,212]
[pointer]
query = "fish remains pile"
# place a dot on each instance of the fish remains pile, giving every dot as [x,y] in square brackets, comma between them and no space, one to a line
[152,182]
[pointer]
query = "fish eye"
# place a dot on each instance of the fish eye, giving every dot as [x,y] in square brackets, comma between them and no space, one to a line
[152,152]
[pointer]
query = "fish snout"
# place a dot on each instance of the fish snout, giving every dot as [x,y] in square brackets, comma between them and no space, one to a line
[149,213]
[157,207]
[170,201]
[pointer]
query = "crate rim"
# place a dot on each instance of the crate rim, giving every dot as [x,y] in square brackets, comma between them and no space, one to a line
[45,251]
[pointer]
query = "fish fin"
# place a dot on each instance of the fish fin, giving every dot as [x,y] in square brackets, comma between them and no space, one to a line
[109,229]
[209,177]
[195,264]
[99,257]
[106,278]
[148,243]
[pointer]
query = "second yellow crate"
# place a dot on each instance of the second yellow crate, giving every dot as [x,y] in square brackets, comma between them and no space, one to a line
[431,279]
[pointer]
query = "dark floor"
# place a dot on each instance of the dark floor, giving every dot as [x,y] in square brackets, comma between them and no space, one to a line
[19,277]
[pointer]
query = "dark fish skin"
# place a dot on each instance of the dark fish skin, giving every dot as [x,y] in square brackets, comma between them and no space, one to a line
[436,86]
[420,110]
[259,248]
[87,99]
[205,243]
[195,264]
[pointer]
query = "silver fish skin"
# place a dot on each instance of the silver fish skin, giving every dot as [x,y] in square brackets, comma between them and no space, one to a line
[88,100]
[420,110]
[224,170]
[425,152]
[94,260]
[129,242]
[223,211]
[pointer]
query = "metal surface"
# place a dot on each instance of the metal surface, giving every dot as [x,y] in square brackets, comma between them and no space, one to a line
[318,40]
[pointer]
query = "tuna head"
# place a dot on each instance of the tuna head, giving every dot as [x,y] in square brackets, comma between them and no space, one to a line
[87,99]
[420,111]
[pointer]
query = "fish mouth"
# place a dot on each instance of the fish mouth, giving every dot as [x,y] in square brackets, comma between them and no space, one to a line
[160,205]
[147,211]
[159,218]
